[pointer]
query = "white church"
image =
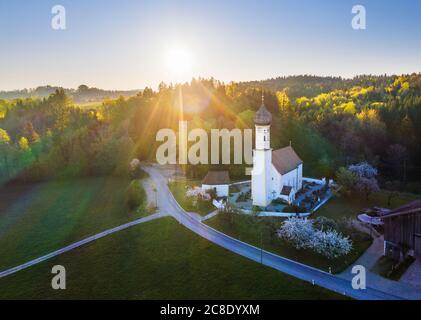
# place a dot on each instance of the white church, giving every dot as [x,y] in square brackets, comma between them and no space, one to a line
[276,173]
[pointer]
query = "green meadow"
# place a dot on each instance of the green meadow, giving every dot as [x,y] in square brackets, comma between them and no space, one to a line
[157,260]
[39,218]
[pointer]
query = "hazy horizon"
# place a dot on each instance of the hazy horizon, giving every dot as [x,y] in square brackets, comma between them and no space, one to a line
[225,82]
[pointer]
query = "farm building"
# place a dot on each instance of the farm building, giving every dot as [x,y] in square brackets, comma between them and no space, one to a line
[402,231]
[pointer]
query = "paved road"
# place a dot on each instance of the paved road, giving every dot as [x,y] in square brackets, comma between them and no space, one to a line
[79,243]
[167,204]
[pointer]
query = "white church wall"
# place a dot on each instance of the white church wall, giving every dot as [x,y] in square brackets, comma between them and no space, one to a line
[293,178]
[261,177]
[300,176]
[290,179]
[276,183]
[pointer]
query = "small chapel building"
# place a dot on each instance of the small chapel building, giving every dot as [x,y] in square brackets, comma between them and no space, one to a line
[276,173]
[219,181]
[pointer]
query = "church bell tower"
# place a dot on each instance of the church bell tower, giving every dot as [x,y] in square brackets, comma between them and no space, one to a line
[262,158]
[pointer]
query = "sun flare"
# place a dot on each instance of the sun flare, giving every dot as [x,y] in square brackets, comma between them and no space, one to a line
[179,62]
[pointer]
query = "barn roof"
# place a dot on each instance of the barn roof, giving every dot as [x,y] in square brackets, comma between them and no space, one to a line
[412,207]
[216,178]
[284,160]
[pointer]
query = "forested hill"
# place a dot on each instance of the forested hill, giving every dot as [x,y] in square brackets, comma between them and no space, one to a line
[80,95]
[311,86]
[331,122]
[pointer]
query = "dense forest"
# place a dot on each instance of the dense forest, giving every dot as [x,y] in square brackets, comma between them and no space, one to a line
[331,122]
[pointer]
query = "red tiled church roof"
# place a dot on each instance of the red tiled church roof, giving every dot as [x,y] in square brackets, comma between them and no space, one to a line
[285,160]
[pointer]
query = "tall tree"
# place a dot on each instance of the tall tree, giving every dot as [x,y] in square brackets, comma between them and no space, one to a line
[5,149]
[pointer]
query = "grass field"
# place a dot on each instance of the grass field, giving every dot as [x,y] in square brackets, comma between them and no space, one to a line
[392,269]
[157,260]
[179,188]
[350,207]
[40,218]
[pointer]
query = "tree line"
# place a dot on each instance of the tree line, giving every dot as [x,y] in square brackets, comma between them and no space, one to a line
[331,122]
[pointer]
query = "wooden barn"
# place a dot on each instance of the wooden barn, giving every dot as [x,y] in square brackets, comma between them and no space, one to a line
[402,231]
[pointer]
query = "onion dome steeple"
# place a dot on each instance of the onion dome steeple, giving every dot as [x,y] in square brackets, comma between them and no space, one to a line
[263,116]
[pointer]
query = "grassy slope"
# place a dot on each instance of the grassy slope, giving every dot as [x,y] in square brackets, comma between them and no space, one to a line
[44,217]
[178,189]
[157,260]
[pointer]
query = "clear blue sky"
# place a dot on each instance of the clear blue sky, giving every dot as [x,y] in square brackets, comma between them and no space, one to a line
[123,43]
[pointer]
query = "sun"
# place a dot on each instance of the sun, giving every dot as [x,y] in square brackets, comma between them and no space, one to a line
[179,62]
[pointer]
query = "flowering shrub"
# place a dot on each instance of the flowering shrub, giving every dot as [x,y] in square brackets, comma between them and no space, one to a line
[331,244]
[367,182]
[298,231]
[198,193]
[360,177]
[363,169]
[303,235]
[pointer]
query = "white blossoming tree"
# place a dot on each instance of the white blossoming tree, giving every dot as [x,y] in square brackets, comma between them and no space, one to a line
[303,235]
[367,182]
[331,244]
[297,231]
[363,169]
